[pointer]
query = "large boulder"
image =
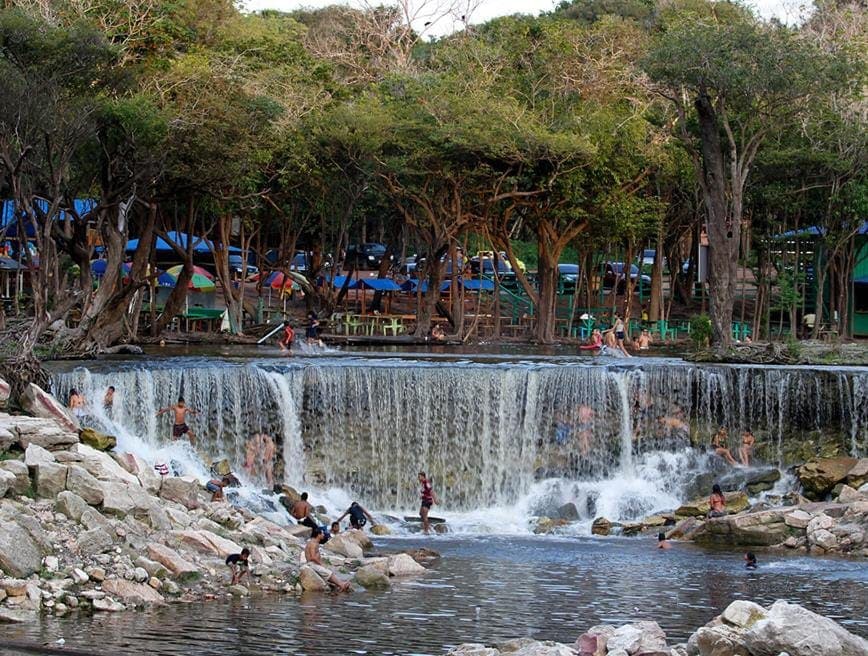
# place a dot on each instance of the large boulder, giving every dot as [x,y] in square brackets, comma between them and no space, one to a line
[49,479]
[344,545]
[858,474]
[374,575]
[71,505]
[404,565]
[36,455]
[765,528]
[81,482]
[181,490]
[568,511]
[122,499]
[743,614]
[797,631]
[102,466]
[21,482]
[601,526]
[719,640]
[20,555]
[172,561]
[473,649]
[97,440]
[381,529]
[131,592]
[360,538]
[735,503]
[818,477]
[132,463]
[593,641]
[38,403]
[311,581]
[94,541]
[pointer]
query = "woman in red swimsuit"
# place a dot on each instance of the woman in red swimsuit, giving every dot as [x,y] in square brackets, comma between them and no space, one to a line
[428,500]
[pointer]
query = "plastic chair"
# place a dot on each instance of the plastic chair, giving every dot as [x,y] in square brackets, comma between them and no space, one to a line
[394,324]
[665,331]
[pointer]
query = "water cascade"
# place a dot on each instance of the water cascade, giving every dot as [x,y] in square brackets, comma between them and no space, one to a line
[513,437]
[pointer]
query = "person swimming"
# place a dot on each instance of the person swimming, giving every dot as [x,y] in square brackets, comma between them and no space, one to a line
[662,542]
[750,560]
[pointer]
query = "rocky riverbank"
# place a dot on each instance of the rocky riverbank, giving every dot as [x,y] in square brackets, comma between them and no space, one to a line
[743,629]
[82,529]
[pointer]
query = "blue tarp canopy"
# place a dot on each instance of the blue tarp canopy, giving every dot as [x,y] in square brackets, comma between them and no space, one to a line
[861,281]
[10,221]
[475,285]
[815,231]
[199,245]
[378,284]
[338,282]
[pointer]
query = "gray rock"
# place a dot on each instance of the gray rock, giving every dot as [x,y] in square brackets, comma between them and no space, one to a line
[238,591]
[718,640]
[108,605]
[132,592]
[172,560]
[568,511]
[627,637]
[92,518]
[38,403]
[36,455]
[373,576]
[181,490]
[49,479]
[20,555]
[799,632]
[95,541]
[473,649]
[7,482]
[404,565]
[16,616]
[743,614]
[152,567]
[311,581]
[70,504]
[81,482]
[344,545]
[17,468]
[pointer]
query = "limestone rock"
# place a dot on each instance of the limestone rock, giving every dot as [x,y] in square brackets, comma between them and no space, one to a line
[172,561]
[221,467]
[38,403]
[743,614]
[601,526]
[82,483]
[568,511]
[19,470]
[92,518]
[152,567]
[7,482]
[858,474]
[94,541]
[799,632]
[718,640]
[97,440]
[360,538]
[49,479]
[763,528]
[735,503]
[20,555]
[311,581]
[819,476]
[543,525]
[593,642]
[107,605]
[344,545]
[148,478]
[381,529]
[627,637]
[404,565]
[36,455]
[798,518]
[181,490]
[238,591]
[16,616]
[374,575]
[850,495]
[103,466]
[131,592]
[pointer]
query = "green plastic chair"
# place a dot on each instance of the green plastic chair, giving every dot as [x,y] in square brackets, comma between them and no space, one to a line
[394,324]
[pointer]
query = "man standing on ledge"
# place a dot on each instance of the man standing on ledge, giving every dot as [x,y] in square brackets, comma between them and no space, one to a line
[180,428]
[428,500]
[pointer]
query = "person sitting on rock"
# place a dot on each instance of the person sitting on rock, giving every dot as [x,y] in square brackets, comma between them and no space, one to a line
[746,449]
[358,516]
[716,502]
[239,565]
[718,445]
[215,486]
[311,557]
[662,542]
[335,528]
[302,512]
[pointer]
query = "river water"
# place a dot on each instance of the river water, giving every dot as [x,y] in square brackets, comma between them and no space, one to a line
[483,589]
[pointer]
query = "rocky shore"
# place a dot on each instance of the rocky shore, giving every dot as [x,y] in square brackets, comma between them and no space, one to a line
[83,529]
[743,629]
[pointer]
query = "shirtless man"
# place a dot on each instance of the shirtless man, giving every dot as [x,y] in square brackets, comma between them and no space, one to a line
[644,341]
[312,559]
[718,445]
[179,427]
[746,449]
[302,512]
[76,403]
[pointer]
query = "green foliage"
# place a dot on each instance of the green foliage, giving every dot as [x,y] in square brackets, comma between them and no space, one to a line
[700,330]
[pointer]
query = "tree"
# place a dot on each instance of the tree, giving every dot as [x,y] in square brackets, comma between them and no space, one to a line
[731,80]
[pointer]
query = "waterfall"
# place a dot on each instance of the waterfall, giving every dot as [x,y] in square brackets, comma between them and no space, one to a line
[621,437]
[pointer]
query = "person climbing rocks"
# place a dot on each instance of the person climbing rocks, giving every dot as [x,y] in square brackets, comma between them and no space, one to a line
[311,557]
[179,427]
[302,512]
[428,500]
[358,516]
[239,565]
[716,502]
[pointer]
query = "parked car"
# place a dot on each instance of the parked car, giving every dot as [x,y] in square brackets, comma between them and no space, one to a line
[299,262]
[239,268]
[568,273]
[409,266]
[648,259]
[614,276]
[486,265]
[366,256]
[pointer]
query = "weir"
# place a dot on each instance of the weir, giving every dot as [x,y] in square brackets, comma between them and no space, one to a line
[620,438]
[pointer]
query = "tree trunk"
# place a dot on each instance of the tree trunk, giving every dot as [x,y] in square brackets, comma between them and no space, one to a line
[655,303]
